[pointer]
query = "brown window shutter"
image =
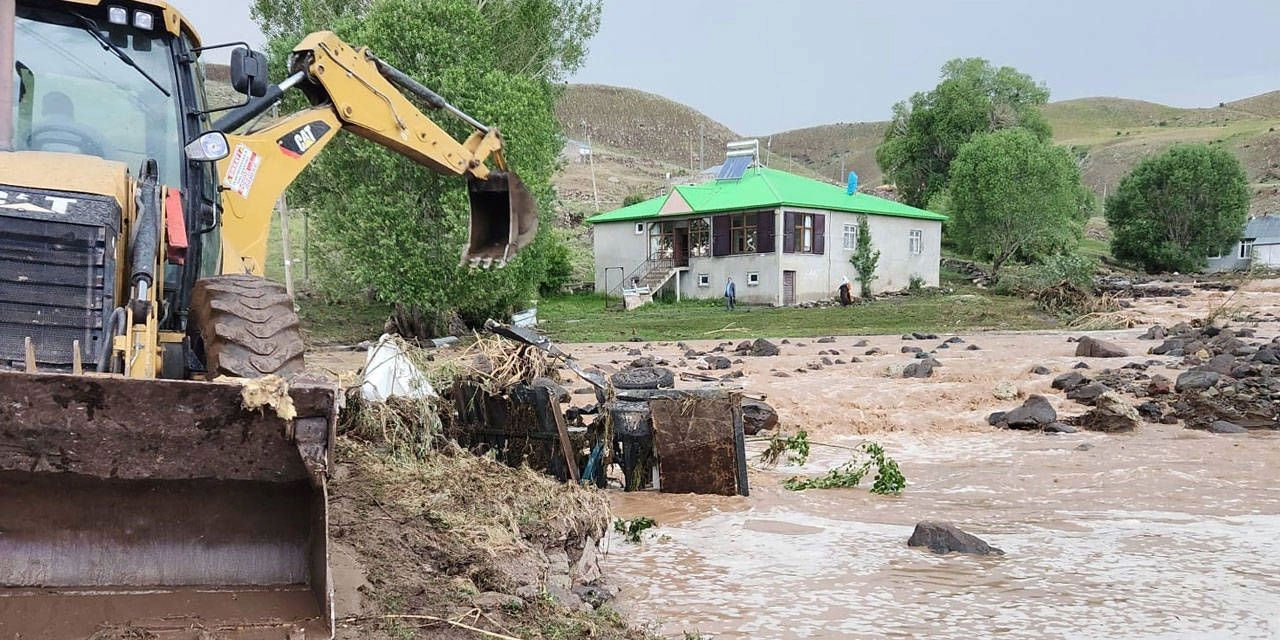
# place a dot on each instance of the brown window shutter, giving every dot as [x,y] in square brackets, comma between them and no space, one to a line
[765,232]
[819,234]
[720,235]
[788,232]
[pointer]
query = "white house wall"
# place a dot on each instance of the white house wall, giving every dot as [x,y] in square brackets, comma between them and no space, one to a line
[737,267]
[818,277]
[616,244]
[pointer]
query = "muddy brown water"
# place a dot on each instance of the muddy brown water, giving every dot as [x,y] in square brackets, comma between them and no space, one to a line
[1160,533]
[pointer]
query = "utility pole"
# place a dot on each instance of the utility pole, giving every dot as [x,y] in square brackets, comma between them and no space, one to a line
[702,147]
[843,178]
[591,157]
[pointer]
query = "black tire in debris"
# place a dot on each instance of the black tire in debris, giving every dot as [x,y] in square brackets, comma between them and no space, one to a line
[644,378]
[248,326]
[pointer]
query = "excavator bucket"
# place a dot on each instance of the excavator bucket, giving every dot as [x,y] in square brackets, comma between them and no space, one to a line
[504,219]
[162,509]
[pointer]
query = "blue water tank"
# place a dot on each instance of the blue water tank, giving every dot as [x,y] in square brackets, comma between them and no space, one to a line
[853,183]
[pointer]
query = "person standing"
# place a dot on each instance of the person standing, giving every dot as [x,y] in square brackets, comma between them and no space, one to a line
[846,295]
[730,295]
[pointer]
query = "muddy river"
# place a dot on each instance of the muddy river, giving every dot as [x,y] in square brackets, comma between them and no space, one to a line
[1160,533]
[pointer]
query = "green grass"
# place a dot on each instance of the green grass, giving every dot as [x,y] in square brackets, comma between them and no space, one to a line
[582,318]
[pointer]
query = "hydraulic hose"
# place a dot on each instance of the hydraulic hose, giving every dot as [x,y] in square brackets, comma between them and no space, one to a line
[117,319]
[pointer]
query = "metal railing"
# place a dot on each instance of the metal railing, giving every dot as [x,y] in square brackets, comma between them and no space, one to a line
[640,273]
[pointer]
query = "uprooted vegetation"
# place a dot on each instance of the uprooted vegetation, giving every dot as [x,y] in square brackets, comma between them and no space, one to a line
[455,545]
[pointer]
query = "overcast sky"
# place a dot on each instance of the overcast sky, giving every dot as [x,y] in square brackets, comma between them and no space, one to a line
[761,66]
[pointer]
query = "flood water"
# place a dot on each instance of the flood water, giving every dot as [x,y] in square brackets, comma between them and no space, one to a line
[1162,533]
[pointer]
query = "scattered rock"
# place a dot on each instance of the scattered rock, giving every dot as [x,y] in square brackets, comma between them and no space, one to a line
[839,361]
[1035,413]
[758,416]
[860,343]
[1005,391]
[1090,347]
[912,350]
[996,418]
[781,374]
[1196,381]
[1059,427]
[907,336]
[1172,346]
[1111,414]
[718,362]
[1159,385]
[827,361]
[763,348]
[1087,394]
[1080,365]
[874,351]
[924,336]
[1069,381]
[633,352]
[593,595]
[640,363]
[1222,426]
[942,537]
[814,366]
[973,347]
[826,340]
[1154,333]
[921,369]
[1040,370]
[955,340]
[693,353]
[1084,446]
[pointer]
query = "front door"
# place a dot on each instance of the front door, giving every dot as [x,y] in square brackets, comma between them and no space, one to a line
[788,288]
[680,247]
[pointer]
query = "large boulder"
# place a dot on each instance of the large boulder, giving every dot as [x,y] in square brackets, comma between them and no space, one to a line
[1035,413]
[1196,381]
[719,362]
[1088,393]
[942,537]
[757,416]
[920,369]
[1111,414]
[1090,347]
[1070,380]
[763,348]
[643,378]
[1222,426]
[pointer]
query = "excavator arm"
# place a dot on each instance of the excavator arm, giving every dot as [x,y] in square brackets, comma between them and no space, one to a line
[352,89]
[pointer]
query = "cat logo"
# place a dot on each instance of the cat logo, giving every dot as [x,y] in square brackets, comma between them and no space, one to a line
[299,141]
[23,202]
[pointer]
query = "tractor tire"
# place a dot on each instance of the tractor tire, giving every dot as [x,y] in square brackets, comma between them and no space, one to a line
[248,327]
[644,378]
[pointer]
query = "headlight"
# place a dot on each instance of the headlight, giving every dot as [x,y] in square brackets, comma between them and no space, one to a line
[144,20]
[118,15]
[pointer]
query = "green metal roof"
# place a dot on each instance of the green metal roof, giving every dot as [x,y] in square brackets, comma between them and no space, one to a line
[764,188]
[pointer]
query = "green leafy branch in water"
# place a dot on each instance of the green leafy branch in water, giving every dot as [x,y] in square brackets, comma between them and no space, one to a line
[796,449]
[889,478]
[631,529]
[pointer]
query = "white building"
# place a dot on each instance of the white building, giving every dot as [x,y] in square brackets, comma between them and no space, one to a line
[783,238]
[1259,245]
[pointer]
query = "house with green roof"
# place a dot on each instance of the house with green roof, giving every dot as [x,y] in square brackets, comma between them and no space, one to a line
[784,239]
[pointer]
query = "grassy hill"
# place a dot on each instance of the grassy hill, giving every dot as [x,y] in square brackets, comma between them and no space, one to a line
[1111,134]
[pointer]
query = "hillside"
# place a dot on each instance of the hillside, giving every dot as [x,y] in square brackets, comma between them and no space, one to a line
[1111,134]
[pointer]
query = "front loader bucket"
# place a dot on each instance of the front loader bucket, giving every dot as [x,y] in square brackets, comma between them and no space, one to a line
[504,219]
[163,506]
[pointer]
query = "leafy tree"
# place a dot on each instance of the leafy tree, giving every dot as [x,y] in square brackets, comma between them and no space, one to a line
[634,198]
[388,225]
[865,257]
[1015,196]
[1176,209]
[926,133]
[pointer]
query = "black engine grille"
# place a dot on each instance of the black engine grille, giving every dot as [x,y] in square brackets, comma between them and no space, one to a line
[57,274]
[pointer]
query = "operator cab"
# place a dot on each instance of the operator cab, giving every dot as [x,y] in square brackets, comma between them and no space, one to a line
[98,81]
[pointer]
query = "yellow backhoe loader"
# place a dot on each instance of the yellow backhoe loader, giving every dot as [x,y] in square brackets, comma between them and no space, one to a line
[136,488]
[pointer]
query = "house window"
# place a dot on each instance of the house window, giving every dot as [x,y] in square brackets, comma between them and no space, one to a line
[699,238]
[850,237]
[753,279]
[660,240]
[915,242]
[704,279]
[1246,249]
[639,228]
[742,233]
[803,230]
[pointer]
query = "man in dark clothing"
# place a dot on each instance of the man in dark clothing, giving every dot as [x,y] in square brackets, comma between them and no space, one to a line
[730,295]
